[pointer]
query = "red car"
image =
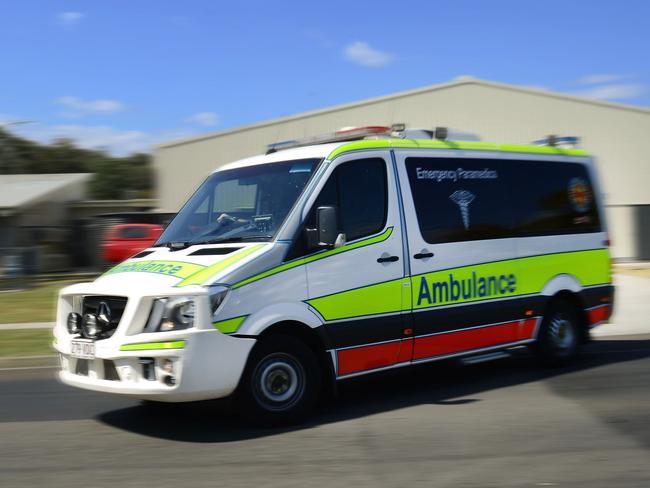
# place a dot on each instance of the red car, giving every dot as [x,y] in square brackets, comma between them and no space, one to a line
[124,240]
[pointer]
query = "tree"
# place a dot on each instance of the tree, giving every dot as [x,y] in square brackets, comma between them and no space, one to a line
[115,178]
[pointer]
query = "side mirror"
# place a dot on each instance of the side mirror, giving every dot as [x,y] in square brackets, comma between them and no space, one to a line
[327,225]
[326,233]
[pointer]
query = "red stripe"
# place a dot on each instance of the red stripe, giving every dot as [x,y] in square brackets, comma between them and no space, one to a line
[441,344]
[527,329]
[406,351]
[598,314]
[364,358]
[368,357]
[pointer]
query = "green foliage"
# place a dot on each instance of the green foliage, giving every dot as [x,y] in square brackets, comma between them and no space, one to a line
[115,178]
[35,304]
[28,342]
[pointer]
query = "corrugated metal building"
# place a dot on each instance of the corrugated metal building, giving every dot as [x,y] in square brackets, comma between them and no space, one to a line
[614,133]
[34,220]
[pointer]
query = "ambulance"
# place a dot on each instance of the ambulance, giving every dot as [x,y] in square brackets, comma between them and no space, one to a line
[365,250]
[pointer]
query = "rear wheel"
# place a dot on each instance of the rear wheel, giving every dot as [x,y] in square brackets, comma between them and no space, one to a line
[559,334]
[281,382]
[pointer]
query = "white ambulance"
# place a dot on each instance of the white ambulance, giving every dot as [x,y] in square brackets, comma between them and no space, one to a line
[322,260]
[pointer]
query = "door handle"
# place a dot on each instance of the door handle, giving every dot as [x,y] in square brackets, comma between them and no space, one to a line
[423,255]
[388,259]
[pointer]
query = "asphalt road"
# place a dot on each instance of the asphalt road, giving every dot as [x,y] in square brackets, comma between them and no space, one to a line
[506,423]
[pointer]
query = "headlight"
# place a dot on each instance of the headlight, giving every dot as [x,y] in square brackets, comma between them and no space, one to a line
[171,314]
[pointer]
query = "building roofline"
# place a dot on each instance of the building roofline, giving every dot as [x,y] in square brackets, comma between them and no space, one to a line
[463,80]
[64,179]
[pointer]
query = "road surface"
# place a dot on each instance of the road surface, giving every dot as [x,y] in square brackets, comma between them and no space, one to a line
[508,423]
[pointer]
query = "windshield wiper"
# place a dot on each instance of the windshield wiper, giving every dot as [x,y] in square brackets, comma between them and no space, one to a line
[219,240]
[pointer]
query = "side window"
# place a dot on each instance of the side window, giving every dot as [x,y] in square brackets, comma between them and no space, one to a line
[460,199]
[553,198]
[359,190]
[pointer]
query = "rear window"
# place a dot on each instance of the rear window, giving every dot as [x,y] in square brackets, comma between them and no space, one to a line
[553,198]
[460,199]
[133,233]
[471,199]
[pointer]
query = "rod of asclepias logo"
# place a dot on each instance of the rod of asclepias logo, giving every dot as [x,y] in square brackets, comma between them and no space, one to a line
[473,287]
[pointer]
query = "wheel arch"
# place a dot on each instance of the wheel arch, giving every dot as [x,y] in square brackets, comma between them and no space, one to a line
[261,320]
[566,287]
[561,282]
[315,339]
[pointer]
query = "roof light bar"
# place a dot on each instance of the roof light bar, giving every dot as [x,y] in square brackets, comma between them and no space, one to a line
[375,131]
[370,130]
[558,141]
[341,135]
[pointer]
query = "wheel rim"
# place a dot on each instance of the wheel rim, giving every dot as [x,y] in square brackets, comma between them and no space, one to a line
[562,334]
[278,381]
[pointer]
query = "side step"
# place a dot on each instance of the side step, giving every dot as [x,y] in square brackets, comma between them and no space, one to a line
[482,358]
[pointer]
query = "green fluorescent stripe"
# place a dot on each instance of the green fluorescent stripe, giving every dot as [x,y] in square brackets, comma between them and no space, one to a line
[205,274]
[358,146]
[178,269]
[531,273]
[464,145]
[145,346]
[314,257]
[272,271]
[229,326]
[370,300]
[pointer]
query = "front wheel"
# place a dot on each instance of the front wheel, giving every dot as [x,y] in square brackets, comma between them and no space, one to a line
[559,334]
[281,382]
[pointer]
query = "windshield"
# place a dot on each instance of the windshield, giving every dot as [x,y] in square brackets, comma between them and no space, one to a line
[240,204]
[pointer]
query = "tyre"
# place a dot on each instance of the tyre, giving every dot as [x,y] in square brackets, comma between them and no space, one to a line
[281,382]
[559,334]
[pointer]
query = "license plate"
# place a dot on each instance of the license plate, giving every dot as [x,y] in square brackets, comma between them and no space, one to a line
[82,349]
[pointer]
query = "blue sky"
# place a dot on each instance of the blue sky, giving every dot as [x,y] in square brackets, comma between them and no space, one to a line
[128,74]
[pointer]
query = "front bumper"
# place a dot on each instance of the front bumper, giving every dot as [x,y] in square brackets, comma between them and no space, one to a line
[205,363]
[208,365]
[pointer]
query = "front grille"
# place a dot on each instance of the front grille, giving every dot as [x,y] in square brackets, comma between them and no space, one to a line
[116,306]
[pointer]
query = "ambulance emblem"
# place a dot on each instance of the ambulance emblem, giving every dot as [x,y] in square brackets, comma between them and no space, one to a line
[579,195]
[463,198]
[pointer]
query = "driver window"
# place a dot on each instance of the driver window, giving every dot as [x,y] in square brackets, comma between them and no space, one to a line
[359,190]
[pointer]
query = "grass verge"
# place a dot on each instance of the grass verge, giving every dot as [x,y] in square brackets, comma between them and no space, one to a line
[27,342]
[36,304]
